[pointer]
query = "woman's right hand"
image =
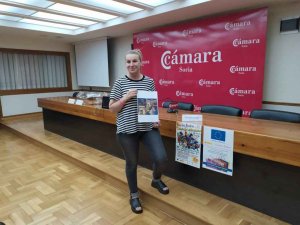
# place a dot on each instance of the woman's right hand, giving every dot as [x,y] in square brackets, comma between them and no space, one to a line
[130,94]
[116,106]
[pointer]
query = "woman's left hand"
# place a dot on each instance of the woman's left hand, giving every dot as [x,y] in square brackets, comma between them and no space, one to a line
[157,124]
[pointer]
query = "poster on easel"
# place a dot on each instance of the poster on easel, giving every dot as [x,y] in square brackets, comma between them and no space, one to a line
[218,149]
[188,142]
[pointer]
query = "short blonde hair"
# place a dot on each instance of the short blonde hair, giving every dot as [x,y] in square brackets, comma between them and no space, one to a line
[136,52]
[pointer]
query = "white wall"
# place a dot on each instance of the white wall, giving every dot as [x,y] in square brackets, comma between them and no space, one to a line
[23,104]
[117,51]
[282,68]
[282,107]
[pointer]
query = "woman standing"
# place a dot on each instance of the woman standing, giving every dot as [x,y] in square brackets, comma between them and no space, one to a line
[123,101]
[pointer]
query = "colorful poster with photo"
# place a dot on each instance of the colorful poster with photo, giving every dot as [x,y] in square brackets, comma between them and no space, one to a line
[218,149]
[147,106]
[188,143]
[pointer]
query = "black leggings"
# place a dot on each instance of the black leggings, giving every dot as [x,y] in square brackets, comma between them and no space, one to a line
[130,145]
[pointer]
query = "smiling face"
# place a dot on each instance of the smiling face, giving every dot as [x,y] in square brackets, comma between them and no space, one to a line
[133,65]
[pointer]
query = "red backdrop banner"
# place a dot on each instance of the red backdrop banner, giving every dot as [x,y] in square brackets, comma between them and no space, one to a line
[210,61]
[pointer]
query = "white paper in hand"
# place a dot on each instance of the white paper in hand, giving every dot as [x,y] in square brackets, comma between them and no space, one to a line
[147,106]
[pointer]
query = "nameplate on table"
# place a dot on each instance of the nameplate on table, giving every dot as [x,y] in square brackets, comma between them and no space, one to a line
[191,118]
[79,102]
[71,101]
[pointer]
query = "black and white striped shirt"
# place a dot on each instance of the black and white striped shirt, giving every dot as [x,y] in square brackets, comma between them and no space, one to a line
[127,118]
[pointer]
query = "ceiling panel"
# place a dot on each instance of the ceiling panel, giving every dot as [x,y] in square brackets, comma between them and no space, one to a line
[69,14]
[74,20]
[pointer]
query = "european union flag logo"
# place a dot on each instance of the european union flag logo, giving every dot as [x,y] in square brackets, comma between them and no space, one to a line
[218,135]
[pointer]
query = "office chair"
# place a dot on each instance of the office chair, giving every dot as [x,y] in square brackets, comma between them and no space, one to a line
[186,106]
[179,105]
[277,115]
[222,110]
[166,104]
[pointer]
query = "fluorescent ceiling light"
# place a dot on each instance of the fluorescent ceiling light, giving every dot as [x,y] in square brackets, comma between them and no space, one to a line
[39,3]
[81,11]
[12,9]
[154,2]
[112,5]
[63,18]
[42,23]
[11,18]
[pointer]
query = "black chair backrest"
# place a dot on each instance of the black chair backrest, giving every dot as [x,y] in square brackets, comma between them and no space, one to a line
[277,115]
[222,109]
[186,106]
[166,104]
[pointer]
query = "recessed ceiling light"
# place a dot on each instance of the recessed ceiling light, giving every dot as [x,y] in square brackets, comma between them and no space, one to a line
[49,24]
[62,18]
[81,11]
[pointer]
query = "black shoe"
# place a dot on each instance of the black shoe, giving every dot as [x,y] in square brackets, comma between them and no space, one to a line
[136,206]
[160,186]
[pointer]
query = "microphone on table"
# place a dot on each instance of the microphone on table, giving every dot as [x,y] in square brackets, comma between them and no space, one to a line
[173,107]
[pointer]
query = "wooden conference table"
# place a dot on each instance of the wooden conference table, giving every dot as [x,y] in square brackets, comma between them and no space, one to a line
[266,153]
[272,140]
